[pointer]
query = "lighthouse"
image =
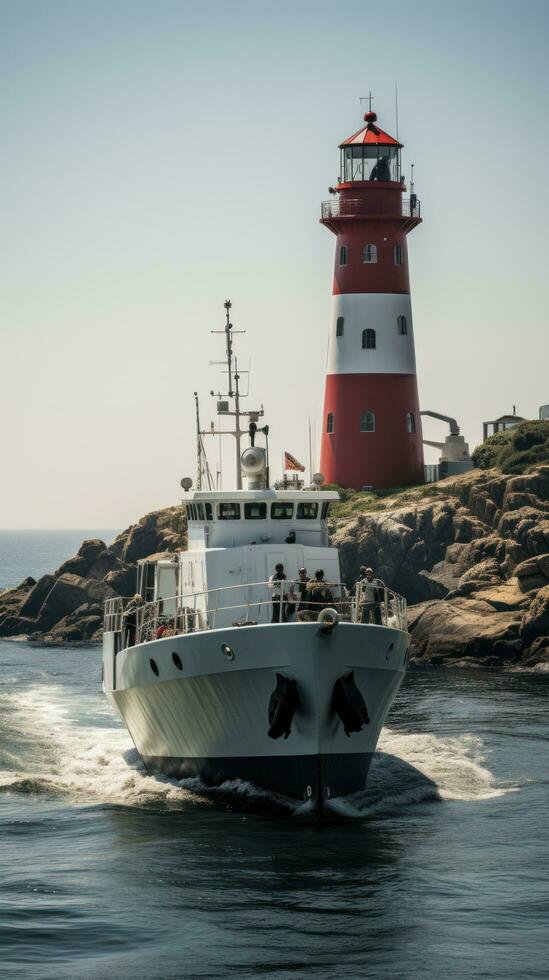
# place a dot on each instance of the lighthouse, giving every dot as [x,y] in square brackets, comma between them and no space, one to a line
[371,426]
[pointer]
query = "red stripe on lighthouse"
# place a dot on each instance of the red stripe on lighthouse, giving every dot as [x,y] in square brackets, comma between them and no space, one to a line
[388,457]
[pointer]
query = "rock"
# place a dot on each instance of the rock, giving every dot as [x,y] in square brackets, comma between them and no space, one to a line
[32,605]
[504,597]
[85,557]
[461,627]
[12,599]
[79,625]
[536,620]
[67,594]
[123,580]
[537,654]
[533,573]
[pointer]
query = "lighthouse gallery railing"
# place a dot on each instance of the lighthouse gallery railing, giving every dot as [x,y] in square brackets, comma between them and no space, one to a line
[344,207]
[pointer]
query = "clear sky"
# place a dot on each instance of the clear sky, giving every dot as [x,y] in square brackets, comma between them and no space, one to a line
[161,156]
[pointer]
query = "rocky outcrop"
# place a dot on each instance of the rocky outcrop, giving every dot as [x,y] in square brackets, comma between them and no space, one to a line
[471,555]
[67,605]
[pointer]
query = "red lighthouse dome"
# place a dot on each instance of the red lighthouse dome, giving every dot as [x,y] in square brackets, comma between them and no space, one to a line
[371,422]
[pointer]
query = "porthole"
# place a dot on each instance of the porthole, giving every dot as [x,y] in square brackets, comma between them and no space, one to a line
[228,651]
[177,661]
[154,667]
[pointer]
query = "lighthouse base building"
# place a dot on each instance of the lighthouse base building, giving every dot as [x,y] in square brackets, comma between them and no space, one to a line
[371,422]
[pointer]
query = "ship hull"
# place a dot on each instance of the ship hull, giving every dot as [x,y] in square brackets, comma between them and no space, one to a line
[198,704]
[315,777]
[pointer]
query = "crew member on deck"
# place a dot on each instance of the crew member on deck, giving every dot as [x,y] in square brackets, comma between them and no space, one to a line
[130,618]
[372,590]
[275,584]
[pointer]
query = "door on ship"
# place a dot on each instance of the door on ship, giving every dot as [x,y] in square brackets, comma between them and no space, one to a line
[261,565]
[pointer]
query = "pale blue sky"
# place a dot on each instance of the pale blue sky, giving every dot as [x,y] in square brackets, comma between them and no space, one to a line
[161,156]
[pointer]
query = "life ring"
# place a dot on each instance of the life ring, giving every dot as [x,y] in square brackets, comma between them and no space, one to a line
[328,618]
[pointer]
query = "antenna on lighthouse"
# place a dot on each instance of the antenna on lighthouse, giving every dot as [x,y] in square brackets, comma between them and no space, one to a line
[396,109]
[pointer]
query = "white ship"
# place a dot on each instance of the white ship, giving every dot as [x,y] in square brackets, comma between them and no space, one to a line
[209,685]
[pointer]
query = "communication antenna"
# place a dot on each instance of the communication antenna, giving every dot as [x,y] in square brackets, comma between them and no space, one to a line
[234,393]
[396,109]
[412,178]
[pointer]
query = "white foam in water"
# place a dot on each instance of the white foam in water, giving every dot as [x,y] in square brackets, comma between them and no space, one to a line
[85,763]
[95,764]
[414,768]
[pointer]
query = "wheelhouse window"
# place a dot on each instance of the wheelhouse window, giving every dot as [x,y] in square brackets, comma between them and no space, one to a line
[410,422]
[282,511]
[325,510]
[255,511]
[307,512]
[402,326]
[209,511]
[200,511]
[367,422]
[329,423]
[369,253]
[228,512]
[343,255]
[368,339]
[191,514]
[340,324]
[399,255]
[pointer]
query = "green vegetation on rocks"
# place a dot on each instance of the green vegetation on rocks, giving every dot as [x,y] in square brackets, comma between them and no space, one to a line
[516,450]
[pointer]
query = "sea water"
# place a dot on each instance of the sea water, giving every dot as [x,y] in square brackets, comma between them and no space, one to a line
[438,869]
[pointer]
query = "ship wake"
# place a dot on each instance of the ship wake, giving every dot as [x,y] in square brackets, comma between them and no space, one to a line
[83,755]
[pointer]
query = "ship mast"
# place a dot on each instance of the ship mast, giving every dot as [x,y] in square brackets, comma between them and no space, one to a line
[231,365]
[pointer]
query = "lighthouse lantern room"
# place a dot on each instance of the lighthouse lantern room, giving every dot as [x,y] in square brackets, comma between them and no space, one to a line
[371,423]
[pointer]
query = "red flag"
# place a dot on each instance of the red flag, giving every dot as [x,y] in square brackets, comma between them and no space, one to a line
[291,463]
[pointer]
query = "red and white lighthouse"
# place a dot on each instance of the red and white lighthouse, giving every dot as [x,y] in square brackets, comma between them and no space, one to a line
[371,423]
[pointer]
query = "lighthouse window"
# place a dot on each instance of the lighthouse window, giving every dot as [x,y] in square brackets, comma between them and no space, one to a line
[369,253]
[228,512]
[340,323]
[343,255]
[282,511]
[399,255]
[367,422]
[330,424]
[368,339]
[410,423]
[402,325]
[255,511]
[307,512]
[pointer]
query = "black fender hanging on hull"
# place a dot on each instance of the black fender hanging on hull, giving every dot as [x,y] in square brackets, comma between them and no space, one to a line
[349,704]
[283,704]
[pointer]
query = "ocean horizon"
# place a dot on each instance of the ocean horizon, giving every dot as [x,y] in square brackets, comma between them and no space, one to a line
[39,551]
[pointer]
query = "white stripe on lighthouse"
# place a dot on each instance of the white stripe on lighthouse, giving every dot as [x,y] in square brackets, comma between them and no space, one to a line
[393,353]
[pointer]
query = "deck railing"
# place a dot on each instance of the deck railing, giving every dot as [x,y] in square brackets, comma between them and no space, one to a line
[198,611]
